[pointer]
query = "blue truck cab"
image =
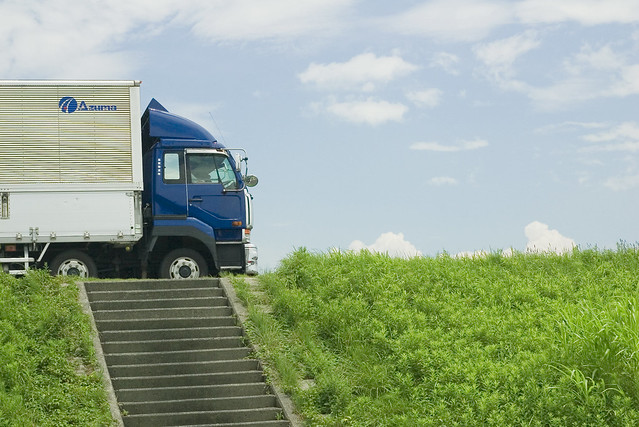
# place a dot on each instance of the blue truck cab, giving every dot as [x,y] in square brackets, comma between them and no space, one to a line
[197,208]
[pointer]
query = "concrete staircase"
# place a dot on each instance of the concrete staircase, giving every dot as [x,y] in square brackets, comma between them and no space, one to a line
[176,356]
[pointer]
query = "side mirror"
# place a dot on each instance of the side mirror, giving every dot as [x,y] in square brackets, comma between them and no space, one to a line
[250,180]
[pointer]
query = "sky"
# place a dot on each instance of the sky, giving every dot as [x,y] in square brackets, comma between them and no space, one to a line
[408,127]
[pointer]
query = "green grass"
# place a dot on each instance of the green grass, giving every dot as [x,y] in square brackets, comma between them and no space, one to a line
[48,370]
[540,340]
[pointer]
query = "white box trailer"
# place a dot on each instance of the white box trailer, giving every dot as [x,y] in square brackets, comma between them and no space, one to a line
[71,163]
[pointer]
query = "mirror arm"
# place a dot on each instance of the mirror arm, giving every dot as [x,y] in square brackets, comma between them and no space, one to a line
[237,190]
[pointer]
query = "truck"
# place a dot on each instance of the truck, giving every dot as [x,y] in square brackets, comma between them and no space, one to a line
[90,189]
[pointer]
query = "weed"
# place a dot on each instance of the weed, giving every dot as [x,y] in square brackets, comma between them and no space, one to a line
[44,339]
[535,339]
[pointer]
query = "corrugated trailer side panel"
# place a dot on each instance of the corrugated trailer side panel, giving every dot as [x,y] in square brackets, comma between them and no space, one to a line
[90,139]
[70,161]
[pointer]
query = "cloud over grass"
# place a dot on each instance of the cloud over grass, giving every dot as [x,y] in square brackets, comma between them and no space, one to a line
[392,244]
[542,239]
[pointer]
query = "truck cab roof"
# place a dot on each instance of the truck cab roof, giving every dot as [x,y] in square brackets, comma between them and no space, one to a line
[161,126]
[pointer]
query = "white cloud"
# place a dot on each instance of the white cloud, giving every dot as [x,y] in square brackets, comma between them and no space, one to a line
[570,126]
[389,243]
[456,20]
[428,98]
[542,239]
[370,111]
[464,145]
[446,61]
[628,82]
[473,20]
[439,181]
[587,75]
[500,55]
[91,38]
[623,137]
[622,183]
[364,70]
[55,40]
[603,58]
[242,20]
[586,12]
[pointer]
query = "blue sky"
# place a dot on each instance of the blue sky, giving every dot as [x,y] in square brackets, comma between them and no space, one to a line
[405,126]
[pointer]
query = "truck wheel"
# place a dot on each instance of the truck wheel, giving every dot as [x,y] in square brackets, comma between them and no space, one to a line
[183,264]
[73,263]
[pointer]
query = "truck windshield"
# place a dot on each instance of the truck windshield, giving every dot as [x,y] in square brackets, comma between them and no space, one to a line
[211,169]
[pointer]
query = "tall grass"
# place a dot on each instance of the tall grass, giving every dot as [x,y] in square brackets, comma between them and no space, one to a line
[520,340]
[48,371]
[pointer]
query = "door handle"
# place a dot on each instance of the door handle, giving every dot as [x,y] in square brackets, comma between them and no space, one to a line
[195,199]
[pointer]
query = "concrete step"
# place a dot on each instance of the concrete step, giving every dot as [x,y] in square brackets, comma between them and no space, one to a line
[158,394]
[161,313]
[118,347]
[164,323]
[169,334]
[206,404]
[272,423]
[176,356]
[218,378]
[137,294]
[187,356]
[129,285]
[199,418]
[164,302]
[206,367]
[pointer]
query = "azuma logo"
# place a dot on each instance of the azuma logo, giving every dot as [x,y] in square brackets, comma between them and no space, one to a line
[69,104]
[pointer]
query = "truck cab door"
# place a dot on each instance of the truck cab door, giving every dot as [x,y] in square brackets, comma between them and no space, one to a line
[169,195]
[212,196]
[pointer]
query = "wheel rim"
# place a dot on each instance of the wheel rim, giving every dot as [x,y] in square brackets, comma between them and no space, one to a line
[184,268]
[73,267]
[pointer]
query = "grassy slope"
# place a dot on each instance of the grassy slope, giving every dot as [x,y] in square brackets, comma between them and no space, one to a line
[521,340]
[47,362]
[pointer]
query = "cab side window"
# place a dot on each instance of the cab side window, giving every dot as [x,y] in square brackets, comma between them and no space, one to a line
[173,170]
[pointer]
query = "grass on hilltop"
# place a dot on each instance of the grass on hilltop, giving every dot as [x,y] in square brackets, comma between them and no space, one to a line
[368,340]
[48,370]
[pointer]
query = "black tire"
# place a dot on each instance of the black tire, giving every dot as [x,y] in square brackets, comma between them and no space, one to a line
[183,264]
[73,263]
